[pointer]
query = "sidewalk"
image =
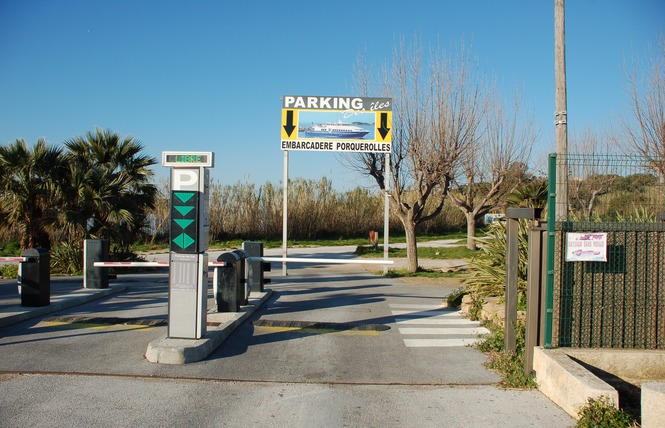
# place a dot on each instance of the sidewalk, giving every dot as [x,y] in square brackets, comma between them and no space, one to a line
[66,292]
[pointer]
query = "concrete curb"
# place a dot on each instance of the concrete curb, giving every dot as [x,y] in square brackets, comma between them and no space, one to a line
[16,313]
[566,382]
[182,351]
[653,404]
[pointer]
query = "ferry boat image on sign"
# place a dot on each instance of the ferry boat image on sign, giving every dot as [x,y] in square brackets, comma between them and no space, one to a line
[335,130]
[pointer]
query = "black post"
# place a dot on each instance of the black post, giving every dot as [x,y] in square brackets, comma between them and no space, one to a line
[255,268]
[230,294]
[95,250]
[242,277]
[34,278]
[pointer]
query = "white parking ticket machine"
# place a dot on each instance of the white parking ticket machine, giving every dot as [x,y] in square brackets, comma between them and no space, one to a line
[188,242]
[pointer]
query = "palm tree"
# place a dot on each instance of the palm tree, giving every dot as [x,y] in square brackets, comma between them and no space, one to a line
[110,191]
[530,195]
[29,178]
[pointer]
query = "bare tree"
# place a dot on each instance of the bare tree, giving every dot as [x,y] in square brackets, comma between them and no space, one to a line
[584,191]
[494,162]
[161,213]
[436,111]
[645,133]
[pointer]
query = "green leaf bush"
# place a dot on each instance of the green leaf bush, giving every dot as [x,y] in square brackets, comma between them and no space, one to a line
[602,413]
[486,273]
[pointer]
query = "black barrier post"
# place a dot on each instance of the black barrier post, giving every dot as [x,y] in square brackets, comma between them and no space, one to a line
[230,294]
[243,286]
[256,268]
[95,250]
[34,278]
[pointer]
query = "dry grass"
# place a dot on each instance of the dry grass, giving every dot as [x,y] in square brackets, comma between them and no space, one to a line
[316,210]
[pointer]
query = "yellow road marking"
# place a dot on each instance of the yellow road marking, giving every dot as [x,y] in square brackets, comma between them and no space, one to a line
[93,326]
[317,331]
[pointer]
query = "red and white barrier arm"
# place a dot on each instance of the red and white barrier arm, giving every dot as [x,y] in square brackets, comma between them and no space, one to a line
[146,264]
[329,261]
[14,259]
[131,264]
[263,259]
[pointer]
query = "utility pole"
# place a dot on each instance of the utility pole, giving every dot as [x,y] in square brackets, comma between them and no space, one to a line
[560,115]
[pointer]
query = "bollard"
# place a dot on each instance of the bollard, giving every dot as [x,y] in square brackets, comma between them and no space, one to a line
[230,293]
[95,250]
[256,268]
[34,278]
[242,256]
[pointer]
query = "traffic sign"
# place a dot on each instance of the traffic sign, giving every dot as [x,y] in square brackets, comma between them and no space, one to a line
[184,221]
[347,124]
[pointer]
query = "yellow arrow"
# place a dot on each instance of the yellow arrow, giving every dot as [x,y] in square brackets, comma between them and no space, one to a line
[289,124]
[385,126]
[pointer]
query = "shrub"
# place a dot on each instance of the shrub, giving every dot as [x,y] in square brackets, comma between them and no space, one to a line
[454,299]
[9,271]
[510,365]
[475,311]
[67,258]
[10,249]
[486,273]
[600,413]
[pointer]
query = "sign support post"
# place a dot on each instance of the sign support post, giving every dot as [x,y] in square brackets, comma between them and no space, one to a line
[189,230]
[285,214]
[335,124]
[386,212]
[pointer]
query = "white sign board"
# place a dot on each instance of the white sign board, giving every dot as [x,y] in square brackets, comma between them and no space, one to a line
[586,247]
[336,124]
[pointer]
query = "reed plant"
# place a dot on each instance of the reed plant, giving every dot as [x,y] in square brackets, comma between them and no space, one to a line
[316,211]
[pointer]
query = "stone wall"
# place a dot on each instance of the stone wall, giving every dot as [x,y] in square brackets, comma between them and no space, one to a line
[492,309]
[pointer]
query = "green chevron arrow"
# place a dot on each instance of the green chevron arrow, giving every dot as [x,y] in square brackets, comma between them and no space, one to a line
[183,223]
[183,240]
[183,210]
[184,196]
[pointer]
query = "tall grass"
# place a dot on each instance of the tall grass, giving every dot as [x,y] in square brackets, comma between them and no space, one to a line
[316,211]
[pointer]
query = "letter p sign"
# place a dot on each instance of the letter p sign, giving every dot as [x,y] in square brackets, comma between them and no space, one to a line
[185,178]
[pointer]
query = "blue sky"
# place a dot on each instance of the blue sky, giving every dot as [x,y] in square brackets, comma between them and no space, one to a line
[209,75]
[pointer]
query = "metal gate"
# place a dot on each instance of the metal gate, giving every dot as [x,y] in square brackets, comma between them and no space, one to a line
[619,301]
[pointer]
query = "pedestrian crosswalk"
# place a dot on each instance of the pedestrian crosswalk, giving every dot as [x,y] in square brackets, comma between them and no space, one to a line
[429,326]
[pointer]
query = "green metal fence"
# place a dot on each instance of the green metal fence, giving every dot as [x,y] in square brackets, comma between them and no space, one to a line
[619,301]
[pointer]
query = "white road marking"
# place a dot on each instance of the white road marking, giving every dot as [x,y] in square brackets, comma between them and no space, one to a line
[429,313]
[413,306]
[434,320]
[437,343]
[445,331]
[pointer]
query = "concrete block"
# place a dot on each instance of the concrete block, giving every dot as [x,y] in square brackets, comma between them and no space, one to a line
[653,404]
[167,350]
[634,365]
[567,383]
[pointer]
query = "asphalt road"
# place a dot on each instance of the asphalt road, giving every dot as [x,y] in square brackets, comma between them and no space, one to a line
[334,346]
